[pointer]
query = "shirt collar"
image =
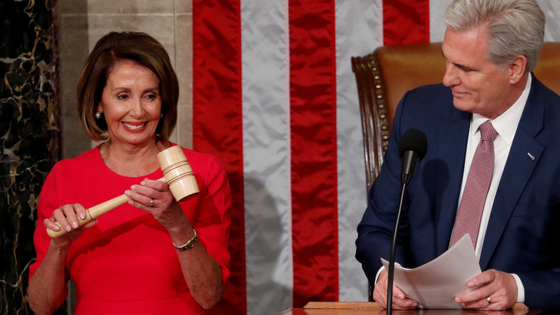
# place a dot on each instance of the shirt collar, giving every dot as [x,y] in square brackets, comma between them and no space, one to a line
[506,123]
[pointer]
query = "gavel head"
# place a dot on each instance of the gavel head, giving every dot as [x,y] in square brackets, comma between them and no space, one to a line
[178,173]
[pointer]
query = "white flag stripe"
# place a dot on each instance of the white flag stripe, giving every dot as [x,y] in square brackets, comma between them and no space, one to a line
[437,27]
[266,155]
[551,9]
[354,37]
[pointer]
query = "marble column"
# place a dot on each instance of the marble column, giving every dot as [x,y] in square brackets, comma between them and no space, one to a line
[29,136]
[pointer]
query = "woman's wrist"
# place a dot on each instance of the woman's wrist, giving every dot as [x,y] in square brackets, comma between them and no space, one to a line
[59,249]
[188,245]
[182,231]
[181,234]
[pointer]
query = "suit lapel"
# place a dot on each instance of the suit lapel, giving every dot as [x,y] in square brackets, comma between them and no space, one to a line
[522,159]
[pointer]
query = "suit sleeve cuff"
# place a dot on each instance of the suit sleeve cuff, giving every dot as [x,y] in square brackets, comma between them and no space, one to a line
[520,288]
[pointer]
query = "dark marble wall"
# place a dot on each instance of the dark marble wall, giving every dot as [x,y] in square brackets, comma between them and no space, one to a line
[29,135]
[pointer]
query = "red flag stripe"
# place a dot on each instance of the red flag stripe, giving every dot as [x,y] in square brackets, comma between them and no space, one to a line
[217,121]
[406,22]
[313,150]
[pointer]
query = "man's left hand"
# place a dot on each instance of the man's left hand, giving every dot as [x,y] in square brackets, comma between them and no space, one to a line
[491,290]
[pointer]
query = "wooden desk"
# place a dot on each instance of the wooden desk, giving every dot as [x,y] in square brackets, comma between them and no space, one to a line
[365,308]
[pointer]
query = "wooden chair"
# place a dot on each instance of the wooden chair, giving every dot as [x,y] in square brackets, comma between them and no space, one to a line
[384,76]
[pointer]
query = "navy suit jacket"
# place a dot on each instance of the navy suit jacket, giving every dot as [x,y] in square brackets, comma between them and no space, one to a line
[523,234]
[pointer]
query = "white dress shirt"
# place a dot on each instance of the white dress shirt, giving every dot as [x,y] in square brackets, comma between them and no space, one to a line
[506,126]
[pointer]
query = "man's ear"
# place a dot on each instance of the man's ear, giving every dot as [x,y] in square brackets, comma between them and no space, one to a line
[517,69]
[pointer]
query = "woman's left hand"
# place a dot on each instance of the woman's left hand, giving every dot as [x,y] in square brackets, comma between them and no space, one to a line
[156,198]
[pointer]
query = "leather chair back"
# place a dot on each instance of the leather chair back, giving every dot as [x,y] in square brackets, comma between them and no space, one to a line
[384,76]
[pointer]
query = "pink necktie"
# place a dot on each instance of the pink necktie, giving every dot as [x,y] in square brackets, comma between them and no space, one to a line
[476,188]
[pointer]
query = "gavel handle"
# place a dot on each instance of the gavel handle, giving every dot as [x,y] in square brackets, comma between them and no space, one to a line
[95,212]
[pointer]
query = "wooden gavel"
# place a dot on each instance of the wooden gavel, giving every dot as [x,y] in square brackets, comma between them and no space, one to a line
[177,174]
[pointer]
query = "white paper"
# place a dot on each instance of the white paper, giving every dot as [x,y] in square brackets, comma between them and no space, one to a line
[435,285]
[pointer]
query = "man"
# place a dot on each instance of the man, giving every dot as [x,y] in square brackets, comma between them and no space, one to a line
[491,47]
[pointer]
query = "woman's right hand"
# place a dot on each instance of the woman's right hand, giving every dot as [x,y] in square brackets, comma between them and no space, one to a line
[67,216]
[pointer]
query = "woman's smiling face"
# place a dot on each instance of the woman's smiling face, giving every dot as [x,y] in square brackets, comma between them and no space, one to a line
[131,103]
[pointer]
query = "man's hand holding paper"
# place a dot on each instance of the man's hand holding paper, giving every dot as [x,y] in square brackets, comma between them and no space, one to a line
[491,290]
[436,284]
[400,301]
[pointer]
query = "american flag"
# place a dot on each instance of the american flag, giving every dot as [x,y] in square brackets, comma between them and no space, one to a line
[274,98]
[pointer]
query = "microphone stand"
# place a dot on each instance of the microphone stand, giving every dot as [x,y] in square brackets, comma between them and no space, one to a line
[392,255]
[412,149]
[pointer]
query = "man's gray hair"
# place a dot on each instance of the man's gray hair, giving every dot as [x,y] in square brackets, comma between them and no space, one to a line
[515,27]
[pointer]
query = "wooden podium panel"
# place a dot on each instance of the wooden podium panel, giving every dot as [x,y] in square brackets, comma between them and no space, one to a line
[371,308]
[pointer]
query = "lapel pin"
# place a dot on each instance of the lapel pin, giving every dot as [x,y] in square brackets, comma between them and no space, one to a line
[531,156]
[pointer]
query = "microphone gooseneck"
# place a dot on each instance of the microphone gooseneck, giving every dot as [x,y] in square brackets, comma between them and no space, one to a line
[412,149]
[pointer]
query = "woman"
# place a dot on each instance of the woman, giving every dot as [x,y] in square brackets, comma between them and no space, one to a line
[152,255]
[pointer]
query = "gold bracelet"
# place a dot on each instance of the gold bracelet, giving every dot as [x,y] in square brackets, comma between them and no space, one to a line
[189,244]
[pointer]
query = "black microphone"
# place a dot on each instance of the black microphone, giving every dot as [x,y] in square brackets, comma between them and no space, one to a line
[412,149]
